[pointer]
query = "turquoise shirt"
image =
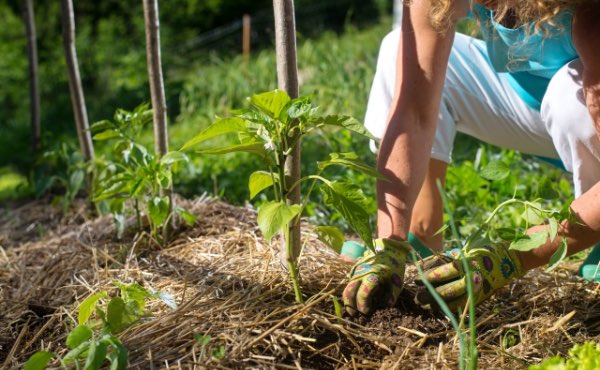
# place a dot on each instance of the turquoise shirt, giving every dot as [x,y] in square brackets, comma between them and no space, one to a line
[528,59]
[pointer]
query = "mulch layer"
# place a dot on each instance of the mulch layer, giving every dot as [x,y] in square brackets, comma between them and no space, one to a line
[229,284]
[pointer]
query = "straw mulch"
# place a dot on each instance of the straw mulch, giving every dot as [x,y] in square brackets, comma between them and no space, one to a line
[229,285]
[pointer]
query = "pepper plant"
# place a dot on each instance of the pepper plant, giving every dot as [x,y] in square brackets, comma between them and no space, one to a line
[270,128]
[136,174]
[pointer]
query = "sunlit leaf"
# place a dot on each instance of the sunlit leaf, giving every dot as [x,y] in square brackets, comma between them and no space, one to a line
[350,160]
[274,216]
[88,306]
[254,148]
[173,157]
[495,171]
[348,123]
[158,209]
[259,181]
[529,242]
[187,216]
[220,127]
[552,228]
[271,102]
[533,216]
[78,335]
[106,135]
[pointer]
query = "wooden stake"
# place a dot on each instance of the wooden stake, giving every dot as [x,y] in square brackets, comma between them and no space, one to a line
[34,83]
[246,36]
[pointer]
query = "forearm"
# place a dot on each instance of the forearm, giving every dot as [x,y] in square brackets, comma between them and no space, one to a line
[406,146]
[580,234]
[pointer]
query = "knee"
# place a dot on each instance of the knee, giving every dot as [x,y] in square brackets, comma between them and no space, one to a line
[563,108]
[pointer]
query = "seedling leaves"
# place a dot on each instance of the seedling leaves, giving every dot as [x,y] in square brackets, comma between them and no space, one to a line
[220,127]
[38,361]
[252,147]
[495,171]
[96,355]
[259,181]
[533,216]
[79,335]
[158,207]
[552,228]
[187,216]
[273,216]
[87,307]
[331,236]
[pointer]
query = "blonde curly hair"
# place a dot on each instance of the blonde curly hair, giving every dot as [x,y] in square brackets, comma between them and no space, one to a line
[539,12]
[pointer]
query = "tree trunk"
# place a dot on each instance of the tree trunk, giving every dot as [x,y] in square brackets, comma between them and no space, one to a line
[34,83]
[155,78]
[287,77]
[77,97]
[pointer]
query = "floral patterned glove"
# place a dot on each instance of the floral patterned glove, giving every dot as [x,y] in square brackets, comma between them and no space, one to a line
[377,277]
[492,268]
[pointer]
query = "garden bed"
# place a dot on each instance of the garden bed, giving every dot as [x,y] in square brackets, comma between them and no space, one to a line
[231,289]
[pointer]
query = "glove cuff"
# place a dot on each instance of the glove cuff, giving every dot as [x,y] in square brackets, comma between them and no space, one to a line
[392,244]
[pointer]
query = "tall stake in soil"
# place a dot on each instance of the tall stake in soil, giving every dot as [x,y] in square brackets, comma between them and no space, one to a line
[287,77]
[157,89]
[77,97]
[34,82]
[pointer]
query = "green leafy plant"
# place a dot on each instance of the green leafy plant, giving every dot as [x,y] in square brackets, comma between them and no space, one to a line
[62,169]
[584,356]
[216,351]
[270,128]
[92,342]
[136,174]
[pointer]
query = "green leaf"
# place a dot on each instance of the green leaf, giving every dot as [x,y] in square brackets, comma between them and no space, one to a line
[220,127]
[495,171]
[203,340]
[331,236]
[106,135]
[558,256]
[350,202]
[115,314]
[187,216]
[350,160]
[96,355]
[174,157]
[271,102]
[79,335]
[137,187]
[120,356]
[101,125]
[38,361]
[506,234]
[76,353]
[75,181]
[529,242]
[347,122]
[274,216]
[552,228]
[533,216]
[219,353]
[253,148]
[337,306]
[158,208]
[87,307]
[134,292]
[259,181]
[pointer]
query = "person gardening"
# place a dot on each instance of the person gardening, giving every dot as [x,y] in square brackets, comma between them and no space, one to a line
[531,84]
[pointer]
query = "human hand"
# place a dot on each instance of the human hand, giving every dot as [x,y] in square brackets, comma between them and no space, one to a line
[376,277]
[492,267]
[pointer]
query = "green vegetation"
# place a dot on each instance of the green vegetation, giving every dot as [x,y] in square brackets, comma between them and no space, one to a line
[92,342]
[584,356]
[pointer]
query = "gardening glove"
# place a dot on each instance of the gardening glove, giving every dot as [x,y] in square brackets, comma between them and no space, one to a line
[492,267]
[377,277]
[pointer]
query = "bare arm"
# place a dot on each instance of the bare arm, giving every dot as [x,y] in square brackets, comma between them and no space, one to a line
[406,145]
[585,233]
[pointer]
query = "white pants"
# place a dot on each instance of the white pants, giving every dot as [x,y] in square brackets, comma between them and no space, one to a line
[480,102]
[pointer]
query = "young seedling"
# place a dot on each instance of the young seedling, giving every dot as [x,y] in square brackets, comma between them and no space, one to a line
[92,342]
[136,174]
[270,128]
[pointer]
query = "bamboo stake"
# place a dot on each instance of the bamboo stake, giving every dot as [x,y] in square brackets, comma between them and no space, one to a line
[77,96]
[34,82]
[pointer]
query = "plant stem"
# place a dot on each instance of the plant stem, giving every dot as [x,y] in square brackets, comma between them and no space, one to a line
[138,217]
[292,265]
